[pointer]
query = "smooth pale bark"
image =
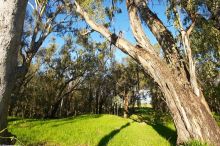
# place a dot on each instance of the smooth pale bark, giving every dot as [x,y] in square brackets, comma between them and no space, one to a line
[192,119]
[12,13]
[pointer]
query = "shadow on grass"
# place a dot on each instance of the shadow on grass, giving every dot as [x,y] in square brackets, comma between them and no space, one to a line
[150,117]
[11,119]
[105,140]
[17,121]
[75,119]
[166,132]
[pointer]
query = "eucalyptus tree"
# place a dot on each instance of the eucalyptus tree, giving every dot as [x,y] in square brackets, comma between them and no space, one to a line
[205,39]
[60,73]
[43,19]
[126,78]
[206,53]
[175,75]
[11,23]
[205,42]
[72,68]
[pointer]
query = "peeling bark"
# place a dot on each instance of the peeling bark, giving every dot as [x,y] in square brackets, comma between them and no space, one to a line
[189,59]
[137,28]
[192,67]
[192,119]
[163,36]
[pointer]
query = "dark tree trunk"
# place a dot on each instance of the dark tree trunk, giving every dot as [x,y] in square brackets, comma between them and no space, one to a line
[90,100]
[54,109]
[126,103]
[97,100]
[100,107]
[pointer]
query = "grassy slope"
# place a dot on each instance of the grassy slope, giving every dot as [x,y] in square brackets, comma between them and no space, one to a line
[91,130]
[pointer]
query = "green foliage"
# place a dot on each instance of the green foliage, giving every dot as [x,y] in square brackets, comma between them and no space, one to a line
[92,130]
[151,116]
[204,42]
[217,118]
[206,49]
[95,9]
[58,73]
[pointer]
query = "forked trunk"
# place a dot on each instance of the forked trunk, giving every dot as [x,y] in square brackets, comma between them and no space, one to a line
[190,114]
[12,14]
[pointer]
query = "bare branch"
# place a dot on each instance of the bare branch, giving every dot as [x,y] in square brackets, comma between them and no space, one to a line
[162,34]
[188,53]
[189,30]
[86,32]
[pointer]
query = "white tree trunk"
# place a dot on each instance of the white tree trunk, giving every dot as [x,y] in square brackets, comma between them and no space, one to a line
[12,13]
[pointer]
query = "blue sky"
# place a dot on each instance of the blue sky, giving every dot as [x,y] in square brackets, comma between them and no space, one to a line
[121,23]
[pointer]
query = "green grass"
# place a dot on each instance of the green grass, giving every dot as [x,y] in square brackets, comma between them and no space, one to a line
[195,143]
[217,118]
[91,130]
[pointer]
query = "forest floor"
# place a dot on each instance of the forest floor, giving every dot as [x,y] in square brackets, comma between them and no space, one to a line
[96,130]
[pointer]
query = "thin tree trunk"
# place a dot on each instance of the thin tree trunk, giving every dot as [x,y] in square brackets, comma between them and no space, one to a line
[54,109]
[191,117]
[116,109]
[126,102]
[12,13]
[97,101]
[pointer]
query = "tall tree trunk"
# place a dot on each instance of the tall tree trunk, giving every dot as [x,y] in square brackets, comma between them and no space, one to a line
[97,98]
[90,98]
[126,102]
[191,117]
[12,13]
[54,109]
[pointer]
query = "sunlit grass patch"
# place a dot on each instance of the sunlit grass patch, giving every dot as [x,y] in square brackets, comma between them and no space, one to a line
[90,130]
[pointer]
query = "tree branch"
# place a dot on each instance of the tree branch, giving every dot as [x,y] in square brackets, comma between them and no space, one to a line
[137,28]
[188,53]
[162,34]
[152,64]
[190,28]
[121,43]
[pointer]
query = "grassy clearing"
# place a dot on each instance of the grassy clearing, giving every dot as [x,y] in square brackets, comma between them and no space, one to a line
[91,130]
